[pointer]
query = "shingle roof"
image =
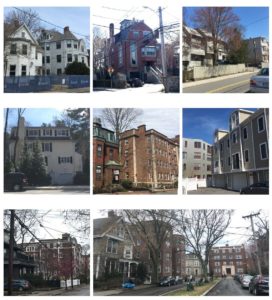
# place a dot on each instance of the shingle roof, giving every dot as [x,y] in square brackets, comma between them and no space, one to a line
[102,225]
[57,36]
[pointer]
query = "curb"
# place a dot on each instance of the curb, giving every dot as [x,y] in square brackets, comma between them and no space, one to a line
[165,294]
[212,287]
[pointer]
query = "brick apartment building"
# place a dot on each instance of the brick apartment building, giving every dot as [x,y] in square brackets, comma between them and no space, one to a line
[56,257]
[149,157]
[241,154]
[228,260]
[119,247]
[196,159]
[133,50]
[106,165]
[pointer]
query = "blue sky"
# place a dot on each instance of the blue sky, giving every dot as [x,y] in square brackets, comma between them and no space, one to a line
[200,123]
[77,18]
[34,116]
[254,19]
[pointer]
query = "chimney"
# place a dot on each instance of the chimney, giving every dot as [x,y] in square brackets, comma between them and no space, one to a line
[66,29]
[111,30]
[142,128]
[97,122]
[111,214]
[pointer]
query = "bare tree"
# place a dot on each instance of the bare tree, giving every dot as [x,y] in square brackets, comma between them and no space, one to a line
[215,20]
[154,227]
[79,219]
[202,229]
[99,52]
[120,119]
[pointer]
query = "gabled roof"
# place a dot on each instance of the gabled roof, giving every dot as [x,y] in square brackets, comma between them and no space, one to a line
[102,225]
[33,40]
[57,36]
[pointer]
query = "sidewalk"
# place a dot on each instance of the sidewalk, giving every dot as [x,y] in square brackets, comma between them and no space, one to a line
[58,187]
[118,291]
[214,79]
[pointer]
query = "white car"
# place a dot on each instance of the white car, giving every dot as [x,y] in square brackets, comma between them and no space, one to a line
[259,83]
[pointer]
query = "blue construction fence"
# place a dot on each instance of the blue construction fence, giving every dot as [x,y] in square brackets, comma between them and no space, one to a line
[29,84]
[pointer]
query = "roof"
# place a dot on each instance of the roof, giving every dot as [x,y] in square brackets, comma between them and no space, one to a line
[192,31]
[33,40]
[112,163]
[102,225]
[57,36]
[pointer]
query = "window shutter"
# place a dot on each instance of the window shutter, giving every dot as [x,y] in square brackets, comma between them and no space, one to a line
[71,159]
[59,159]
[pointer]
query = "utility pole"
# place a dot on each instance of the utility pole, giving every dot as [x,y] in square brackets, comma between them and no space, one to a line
[10,257]
[251,216]
[163,54]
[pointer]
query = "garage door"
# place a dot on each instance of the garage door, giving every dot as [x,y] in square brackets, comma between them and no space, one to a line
[64,178]
[219,181]
[239,181]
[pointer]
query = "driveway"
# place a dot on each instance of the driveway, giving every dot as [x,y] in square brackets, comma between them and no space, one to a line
[211,191]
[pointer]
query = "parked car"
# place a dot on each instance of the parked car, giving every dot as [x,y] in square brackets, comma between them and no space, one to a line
[19,285]
[135,82]
[167,281]
[15,181]
[129,284]
[256,188]
[245,281]
[236,277]
[241,277]
[178,280]
[259,83]
[259,284]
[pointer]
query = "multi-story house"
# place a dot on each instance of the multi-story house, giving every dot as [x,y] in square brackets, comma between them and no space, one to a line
[198,48]
[149,157]
[241,154]
[23,263]
[56,257]
[257,51]
[61,160]
[196,159]
[134,50]
[193,265]
[113,247]
[106,165]
[22,54]
[61,49]
[228,260]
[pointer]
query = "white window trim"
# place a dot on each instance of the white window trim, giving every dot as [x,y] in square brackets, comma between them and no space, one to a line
[261,117]
[260,145]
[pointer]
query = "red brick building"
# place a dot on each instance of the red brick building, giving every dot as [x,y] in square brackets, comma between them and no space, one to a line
[228,260]
[149,157]
[133,50]
[106,166]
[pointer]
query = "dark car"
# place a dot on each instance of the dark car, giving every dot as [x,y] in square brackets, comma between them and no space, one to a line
[259,284]
[167,281]
[15,181]
[135,82]
[256,188]
[19,285]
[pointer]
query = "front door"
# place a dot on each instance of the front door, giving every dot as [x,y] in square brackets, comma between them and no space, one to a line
[115,176]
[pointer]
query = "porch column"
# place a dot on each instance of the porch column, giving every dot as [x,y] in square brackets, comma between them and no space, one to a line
[128,269]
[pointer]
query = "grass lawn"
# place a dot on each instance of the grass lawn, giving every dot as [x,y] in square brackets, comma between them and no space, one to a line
[198,291]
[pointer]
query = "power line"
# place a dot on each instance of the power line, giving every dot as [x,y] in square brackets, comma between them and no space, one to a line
[50,23]
[118,9]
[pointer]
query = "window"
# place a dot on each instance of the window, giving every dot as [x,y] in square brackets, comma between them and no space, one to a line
[33,132]
[197,155]
[58,45]
[47,47]
[126,163]
[69,57]
[245,133]
[47,132]
[133,54]
[82,48]
[126,153]
[263,151]
[221,147]
[61,132]
[229,161]
[149,51]
[82,60]
[184,155]
[23,70]
[99,150]
[69,44]
[111,154]
[47,71]
[228,143]
[246,156]
[126,141]
[235,161]
[59,71]
[234,138]
[196,167]
[112,246]
[65,160]
[135,34]
[13,49]
[76,57]
[75,46]
[46,147]
[260,124]
[48,59]
[197,144]
[120,55]
[23,34]
[185,144]
[184,167]
[24,49]
[98,172]
[58,58]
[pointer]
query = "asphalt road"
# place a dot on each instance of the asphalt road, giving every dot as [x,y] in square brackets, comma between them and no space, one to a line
[212,191]
[69,189]
[150,291]
[228,287]
[238,84]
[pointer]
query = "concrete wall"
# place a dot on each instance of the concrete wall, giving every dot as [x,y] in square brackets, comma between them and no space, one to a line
[208,72]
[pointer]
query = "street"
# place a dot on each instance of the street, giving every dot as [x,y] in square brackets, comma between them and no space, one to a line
[141,291]
[228,287]
[71,189]
[147,88]
[211,191]
[227,84]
